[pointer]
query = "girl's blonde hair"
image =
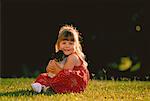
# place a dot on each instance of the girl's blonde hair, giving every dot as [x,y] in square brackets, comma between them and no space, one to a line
[74,37]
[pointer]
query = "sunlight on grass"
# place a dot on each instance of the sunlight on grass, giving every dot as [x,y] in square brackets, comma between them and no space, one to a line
[18,89]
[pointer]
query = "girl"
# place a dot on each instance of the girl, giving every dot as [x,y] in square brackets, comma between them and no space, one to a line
[74,75]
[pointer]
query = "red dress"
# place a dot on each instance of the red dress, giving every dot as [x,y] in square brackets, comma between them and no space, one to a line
[67,80]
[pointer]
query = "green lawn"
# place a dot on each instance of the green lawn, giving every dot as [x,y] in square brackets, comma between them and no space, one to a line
[19,89]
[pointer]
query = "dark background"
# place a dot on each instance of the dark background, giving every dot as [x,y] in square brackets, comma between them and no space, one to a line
[30,28]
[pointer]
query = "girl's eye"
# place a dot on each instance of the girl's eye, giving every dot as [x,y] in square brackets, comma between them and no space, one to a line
[63,42]
[71,43]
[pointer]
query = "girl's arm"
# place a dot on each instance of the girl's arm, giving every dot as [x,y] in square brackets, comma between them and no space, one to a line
[72,60]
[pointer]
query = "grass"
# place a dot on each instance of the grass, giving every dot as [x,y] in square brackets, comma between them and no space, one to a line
[19,89]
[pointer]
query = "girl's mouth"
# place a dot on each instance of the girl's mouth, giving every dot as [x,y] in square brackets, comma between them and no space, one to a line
[66,50]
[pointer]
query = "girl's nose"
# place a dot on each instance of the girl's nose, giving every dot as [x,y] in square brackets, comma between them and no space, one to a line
[67,45]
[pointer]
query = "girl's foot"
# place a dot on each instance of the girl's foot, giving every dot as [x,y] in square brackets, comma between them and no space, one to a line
[37,87]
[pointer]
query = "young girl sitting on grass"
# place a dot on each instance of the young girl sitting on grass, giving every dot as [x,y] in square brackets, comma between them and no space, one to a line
[73,75]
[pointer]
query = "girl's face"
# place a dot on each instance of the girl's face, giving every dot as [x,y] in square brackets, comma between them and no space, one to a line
[67,46]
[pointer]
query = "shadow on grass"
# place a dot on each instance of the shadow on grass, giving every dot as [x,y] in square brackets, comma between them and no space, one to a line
[25,93]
